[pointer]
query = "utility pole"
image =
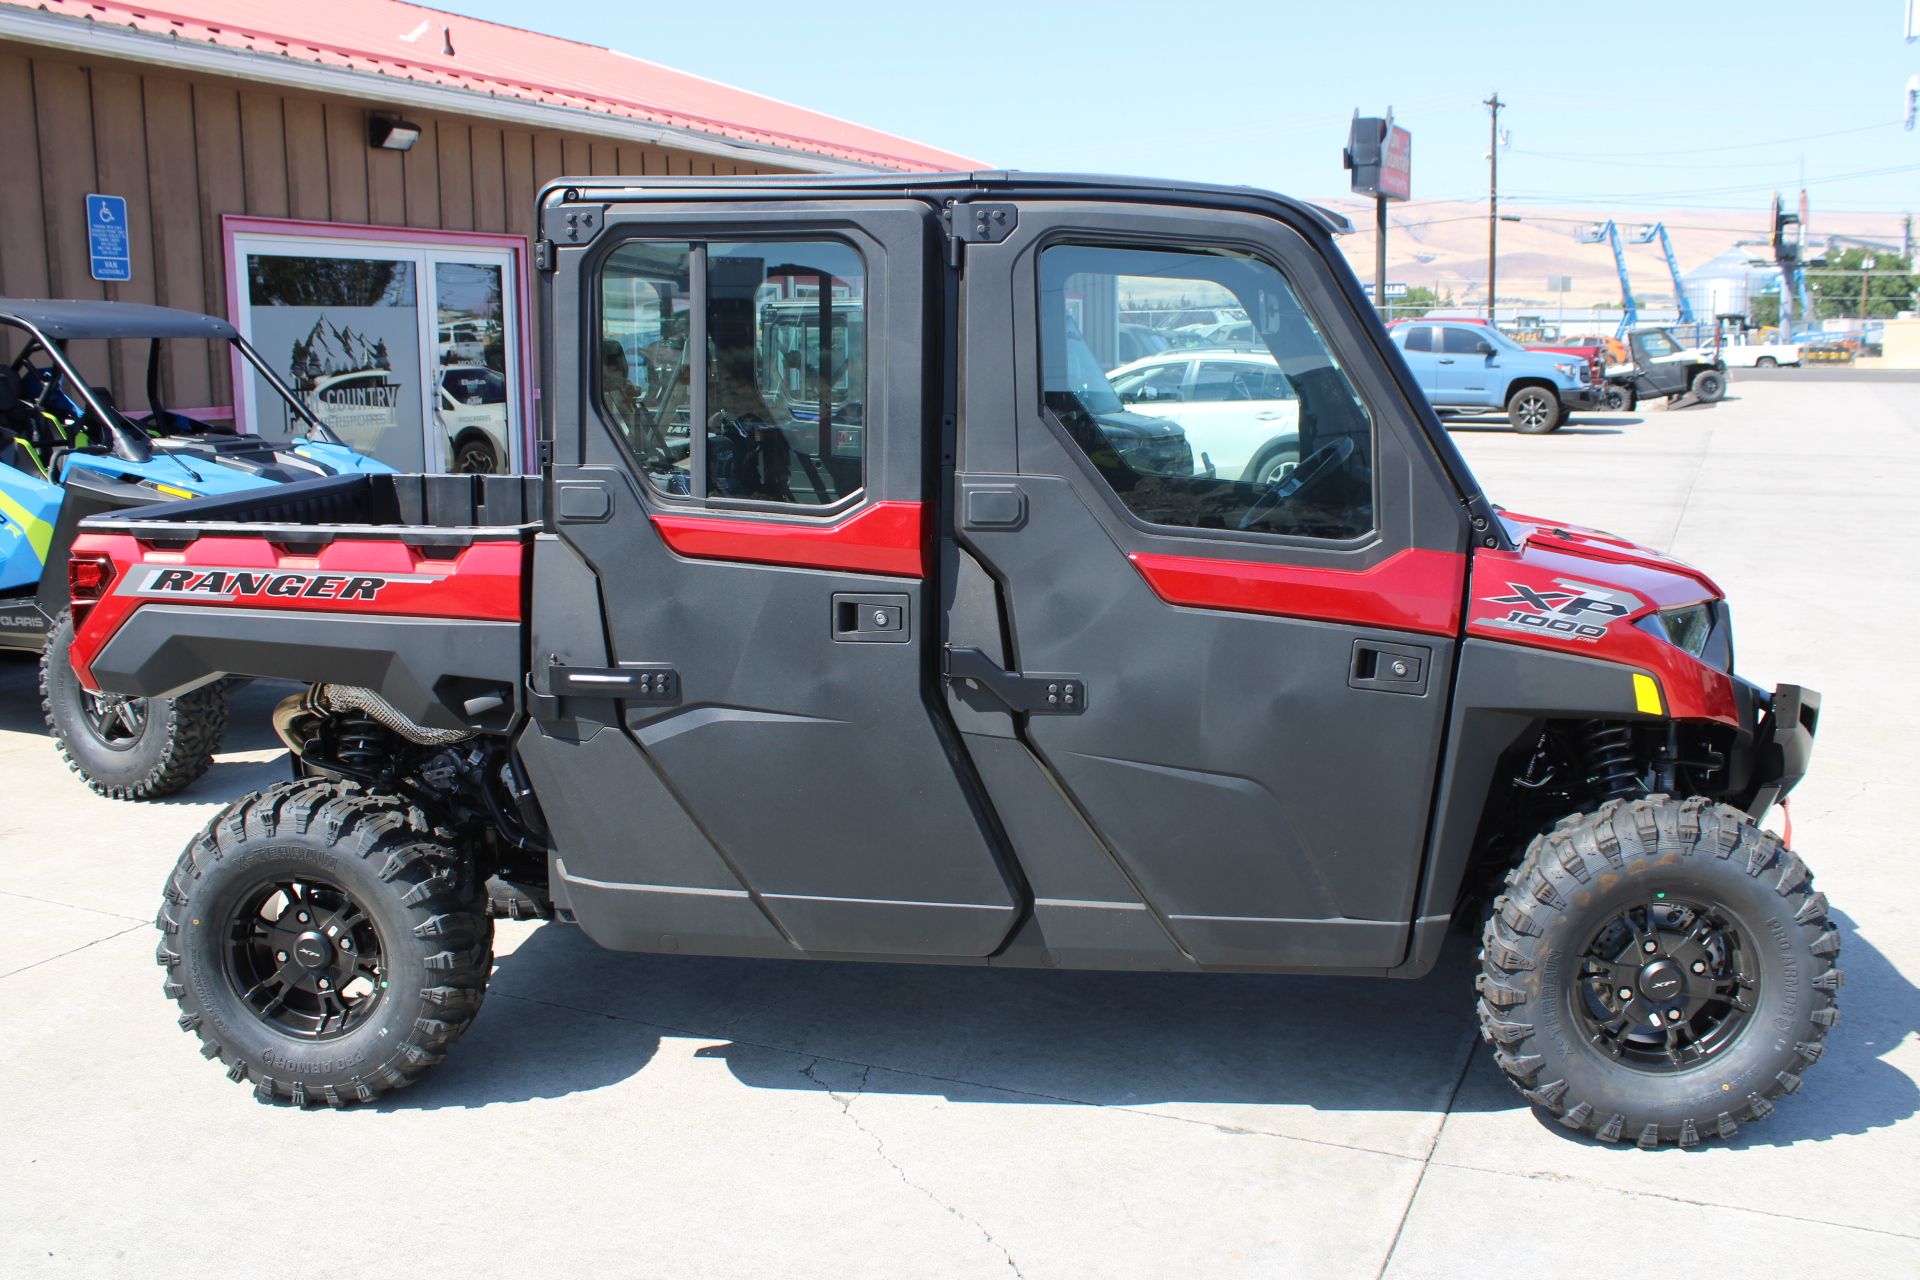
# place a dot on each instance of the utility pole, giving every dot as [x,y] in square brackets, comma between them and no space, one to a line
[1493,105]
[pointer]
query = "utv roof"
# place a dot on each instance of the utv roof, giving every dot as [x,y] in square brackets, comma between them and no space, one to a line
[989,183]
[63,319]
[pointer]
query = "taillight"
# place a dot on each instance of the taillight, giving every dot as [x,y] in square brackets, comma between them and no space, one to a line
[89,574]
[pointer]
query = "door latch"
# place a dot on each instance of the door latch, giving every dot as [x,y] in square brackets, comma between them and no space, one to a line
[1035,694]
[1391,668]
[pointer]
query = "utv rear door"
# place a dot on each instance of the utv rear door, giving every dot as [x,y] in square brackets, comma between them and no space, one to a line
[734,638]
[1212,710]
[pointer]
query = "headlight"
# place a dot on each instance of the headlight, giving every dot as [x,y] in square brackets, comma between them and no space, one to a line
[1570,370]
[1688,627]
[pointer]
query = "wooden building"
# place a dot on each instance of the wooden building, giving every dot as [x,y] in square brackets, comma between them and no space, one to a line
[249,155]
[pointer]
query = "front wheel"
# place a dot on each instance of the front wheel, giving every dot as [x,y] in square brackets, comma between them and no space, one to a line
[1658,971]
[1274,463]
[127,748]
[1533,411]
[1709,385]
[324,942]
[1620,399]
[475,456]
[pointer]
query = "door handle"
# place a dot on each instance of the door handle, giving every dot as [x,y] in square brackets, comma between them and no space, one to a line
[1446,362]
[870,619]
[1268,417]
[1059,695]
[1390,668]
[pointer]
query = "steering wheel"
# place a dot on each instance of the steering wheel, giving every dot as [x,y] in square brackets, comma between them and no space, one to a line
[1312,470]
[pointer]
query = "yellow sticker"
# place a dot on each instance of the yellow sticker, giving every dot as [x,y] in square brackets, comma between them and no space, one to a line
[1646,695]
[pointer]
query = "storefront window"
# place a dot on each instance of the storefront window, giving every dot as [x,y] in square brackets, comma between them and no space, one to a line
[408,351]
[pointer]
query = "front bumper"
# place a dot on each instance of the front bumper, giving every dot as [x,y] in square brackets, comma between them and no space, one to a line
[1782,745]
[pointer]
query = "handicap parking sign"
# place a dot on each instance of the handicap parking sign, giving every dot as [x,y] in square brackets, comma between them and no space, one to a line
[107,241]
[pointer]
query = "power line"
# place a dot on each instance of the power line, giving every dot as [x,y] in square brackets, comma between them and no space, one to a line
[1739,146]
[1646,197]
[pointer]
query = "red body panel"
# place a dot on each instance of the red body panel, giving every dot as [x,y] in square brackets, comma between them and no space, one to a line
[1581,591]
[887,538]
[1411,590]
[483,581]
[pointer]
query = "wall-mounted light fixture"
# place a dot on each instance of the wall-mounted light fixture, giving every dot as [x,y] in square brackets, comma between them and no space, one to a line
[391,134]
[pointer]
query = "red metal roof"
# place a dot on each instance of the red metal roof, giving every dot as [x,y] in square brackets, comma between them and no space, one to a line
[410,41]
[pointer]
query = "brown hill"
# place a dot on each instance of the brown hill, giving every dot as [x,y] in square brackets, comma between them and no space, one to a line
[1442,245]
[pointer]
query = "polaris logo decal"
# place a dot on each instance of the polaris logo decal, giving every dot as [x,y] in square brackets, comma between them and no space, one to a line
[1575,610]
[206,582]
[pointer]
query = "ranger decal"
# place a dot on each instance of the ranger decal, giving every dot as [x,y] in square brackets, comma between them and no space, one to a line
[1576,610]
[208,582]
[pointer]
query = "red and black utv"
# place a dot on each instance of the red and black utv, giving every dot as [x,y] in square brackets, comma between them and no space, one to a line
[892,640]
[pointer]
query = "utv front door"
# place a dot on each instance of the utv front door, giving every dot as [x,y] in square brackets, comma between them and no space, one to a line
[1238,690]
[733,634]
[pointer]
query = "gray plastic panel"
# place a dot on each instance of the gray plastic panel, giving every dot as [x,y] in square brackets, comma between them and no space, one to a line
[162,651]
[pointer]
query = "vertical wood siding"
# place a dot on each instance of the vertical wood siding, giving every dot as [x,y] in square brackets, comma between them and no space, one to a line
[186,151]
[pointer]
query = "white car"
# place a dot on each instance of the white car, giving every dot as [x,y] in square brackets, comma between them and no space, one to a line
[1239,411]
[472,408]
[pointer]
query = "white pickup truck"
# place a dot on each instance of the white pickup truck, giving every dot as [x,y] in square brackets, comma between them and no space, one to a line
[1760,355]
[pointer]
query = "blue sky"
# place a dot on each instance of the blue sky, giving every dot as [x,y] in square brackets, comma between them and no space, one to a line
[1691,106]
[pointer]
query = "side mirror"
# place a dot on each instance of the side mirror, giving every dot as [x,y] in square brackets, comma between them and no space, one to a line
[1484,347]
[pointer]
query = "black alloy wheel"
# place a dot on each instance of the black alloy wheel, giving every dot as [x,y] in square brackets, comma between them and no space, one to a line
[118,722]
[305,958]
[1665,985]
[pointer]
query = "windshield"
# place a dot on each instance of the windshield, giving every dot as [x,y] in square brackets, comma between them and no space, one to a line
[1502,341]
[1659,343]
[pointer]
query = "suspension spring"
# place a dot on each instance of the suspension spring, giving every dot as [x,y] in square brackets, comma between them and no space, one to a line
[361,743]
[1611,759]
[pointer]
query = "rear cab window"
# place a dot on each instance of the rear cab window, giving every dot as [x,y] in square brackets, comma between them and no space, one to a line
[736,372]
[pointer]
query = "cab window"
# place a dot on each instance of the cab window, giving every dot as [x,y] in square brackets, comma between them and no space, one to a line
[1419,337]
[1228,456]
[754,390]
[1460,340]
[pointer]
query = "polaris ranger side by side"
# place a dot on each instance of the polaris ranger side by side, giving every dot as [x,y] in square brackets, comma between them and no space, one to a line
[970,680]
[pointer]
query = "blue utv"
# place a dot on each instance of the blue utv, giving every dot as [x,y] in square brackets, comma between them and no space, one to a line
[67,451]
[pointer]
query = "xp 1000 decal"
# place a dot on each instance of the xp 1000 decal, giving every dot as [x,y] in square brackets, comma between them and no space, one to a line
[207,582]
[1574,610]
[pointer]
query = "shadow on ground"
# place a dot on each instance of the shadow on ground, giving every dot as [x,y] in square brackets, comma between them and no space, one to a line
[564,1016]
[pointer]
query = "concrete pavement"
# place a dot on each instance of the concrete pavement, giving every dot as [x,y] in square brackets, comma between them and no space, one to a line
[614,1115]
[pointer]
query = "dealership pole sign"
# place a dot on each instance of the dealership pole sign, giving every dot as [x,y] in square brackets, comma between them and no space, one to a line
[1380,156]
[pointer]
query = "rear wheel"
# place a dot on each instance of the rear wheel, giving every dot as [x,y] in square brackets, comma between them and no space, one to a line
[325,943]
[1709,385]
[127,748]
[1658,971]
[1620,399]
[1533,411]
[1766,362]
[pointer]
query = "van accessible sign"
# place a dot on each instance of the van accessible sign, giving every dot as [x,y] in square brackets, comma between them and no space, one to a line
[107,241]
[1380,154]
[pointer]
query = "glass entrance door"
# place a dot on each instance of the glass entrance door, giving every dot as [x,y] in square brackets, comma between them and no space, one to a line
[409,351]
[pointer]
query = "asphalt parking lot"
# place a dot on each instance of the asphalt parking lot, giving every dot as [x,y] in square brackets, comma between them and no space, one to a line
[613,1115]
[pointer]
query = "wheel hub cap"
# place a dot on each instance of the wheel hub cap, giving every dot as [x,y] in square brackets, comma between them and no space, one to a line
[313,950]
[1662,980]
